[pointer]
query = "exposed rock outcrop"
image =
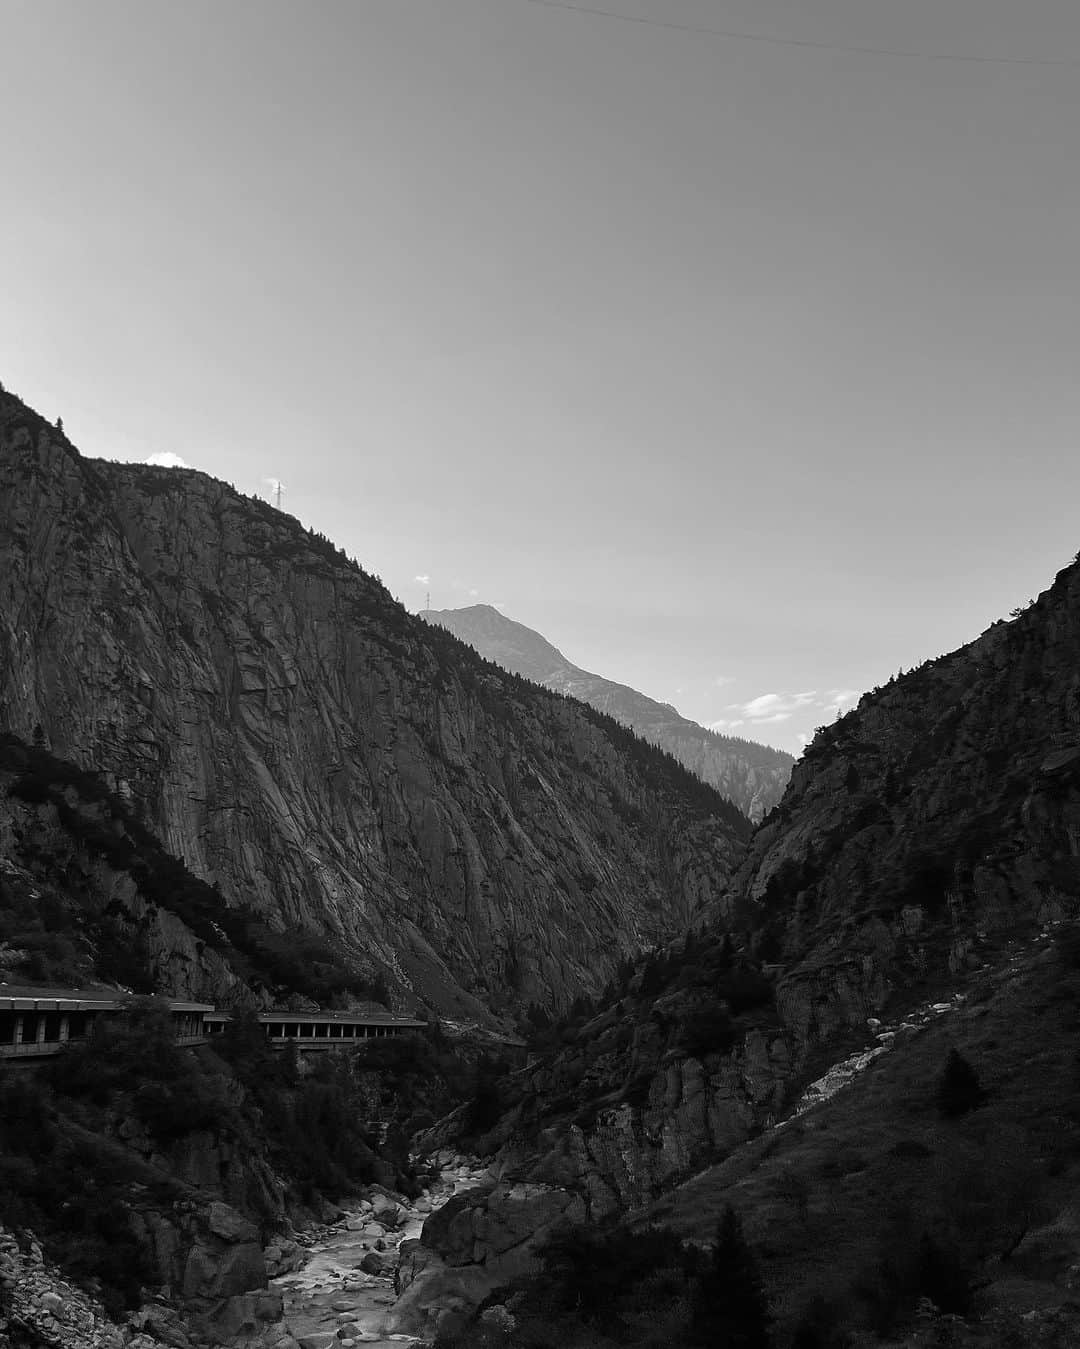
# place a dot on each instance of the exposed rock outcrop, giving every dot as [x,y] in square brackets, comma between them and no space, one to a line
[298,739]
[477,1242]
[921,834]
[928,824]
[39,1308]
[227,1301]
[753,776]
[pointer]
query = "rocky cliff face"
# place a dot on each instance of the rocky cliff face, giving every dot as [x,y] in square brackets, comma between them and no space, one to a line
[752,776]
[70,916]
[935,820]
[302,743]
[924,837]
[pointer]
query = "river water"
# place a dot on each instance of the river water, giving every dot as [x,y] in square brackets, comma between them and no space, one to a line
[330,1302]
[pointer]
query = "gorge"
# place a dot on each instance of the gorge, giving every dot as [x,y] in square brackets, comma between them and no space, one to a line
[234,771]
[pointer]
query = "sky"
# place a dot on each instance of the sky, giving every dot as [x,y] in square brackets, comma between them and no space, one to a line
[743,370]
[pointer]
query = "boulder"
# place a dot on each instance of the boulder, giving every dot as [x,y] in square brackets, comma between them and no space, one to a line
[435,1289]
[282,1257]
[385,1208]
[483,1225]
[253,1317]
[229,1225]
[499,1318]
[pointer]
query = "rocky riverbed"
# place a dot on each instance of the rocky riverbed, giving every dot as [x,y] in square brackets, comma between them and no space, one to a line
[343,1294]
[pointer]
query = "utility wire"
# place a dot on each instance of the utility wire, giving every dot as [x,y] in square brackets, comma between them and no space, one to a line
[740,35]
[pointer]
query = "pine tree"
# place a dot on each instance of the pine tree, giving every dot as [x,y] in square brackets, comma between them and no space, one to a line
[730,1310]
[959,1089]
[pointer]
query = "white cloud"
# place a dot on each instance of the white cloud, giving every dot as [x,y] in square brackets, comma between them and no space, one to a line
[725,724]
[772,707]
[722,681]
[473,594]
[769,709]
[166,459]
[424,580]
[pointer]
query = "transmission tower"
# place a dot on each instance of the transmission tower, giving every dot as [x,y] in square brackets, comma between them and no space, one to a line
[279,487]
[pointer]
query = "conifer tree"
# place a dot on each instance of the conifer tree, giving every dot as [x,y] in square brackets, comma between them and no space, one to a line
[730,1310]
[959,1089]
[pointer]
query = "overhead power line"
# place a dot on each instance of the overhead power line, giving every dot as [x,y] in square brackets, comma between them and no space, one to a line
[859,49]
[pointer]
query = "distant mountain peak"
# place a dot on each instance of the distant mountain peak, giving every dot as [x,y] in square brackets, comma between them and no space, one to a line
[752,776]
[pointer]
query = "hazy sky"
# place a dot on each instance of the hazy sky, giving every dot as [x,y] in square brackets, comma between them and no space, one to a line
[736,368]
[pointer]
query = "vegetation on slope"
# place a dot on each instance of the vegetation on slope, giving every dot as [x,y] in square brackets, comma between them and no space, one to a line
[931,1202]
[926,841]
[59,930]
[100,1134]
[946,1172]
[700,997]
[601,1289]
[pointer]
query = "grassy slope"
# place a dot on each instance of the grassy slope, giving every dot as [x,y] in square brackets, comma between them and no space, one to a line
[856,1182]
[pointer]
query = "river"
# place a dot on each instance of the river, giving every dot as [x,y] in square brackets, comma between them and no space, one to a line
[330,1301]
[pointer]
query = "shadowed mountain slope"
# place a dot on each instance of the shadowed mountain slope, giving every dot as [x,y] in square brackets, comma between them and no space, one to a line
[923,836]
[753,776]
[933,821]
[925,854]
[327,761]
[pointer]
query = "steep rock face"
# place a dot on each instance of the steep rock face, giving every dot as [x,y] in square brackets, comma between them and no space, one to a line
[209,1258]
[920,830]
[299,740]
[752,776]
[601,1129]
[117,932]
[921,836]
[642,1096]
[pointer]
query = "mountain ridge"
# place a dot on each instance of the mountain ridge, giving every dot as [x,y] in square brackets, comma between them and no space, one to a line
[750,774]
[299,740]
[918,886]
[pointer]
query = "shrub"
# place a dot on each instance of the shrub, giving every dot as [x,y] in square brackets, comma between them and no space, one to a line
[592,1272]
[72,1189]
[958,1088]
[909,1267]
